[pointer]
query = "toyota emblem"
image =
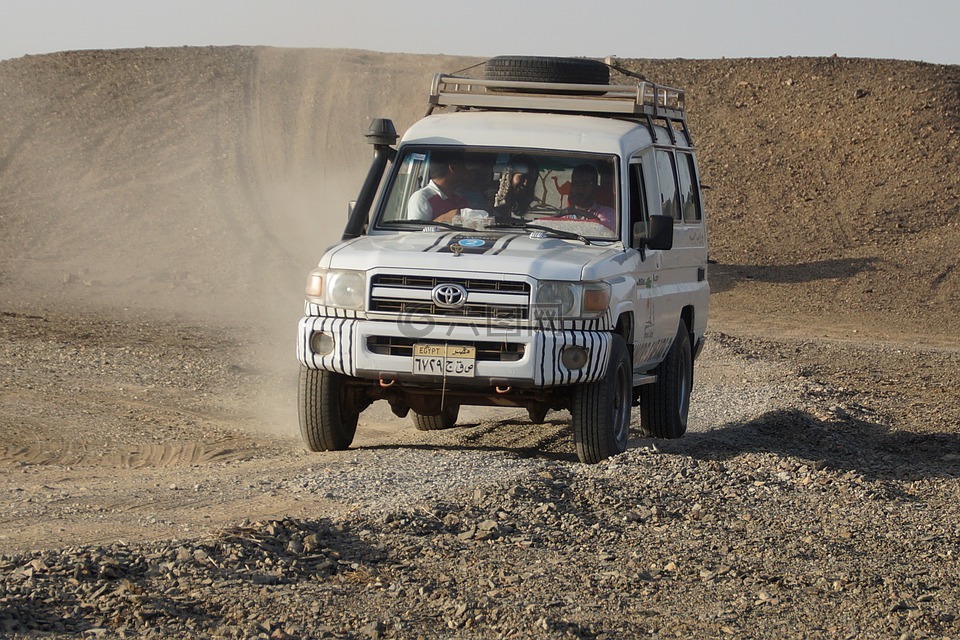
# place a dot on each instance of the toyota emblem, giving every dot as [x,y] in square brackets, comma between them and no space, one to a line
[449,296]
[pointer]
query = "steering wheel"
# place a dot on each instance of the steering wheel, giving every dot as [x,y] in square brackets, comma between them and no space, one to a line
[542,209]
[581,215]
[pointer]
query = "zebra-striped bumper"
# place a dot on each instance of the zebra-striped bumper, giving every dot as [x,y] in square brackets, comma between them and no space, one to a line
[528,357]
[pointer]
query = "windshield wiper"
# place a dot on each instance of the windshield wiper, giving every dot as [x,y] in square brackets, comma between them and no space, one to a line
[427,223]
[559,233]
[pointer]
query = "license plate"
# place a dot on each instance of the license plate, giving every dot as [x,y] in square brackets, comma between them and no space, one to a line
[444,359]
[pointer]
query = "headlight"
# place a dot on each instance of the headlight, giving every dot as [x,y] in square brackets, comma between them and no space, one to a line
[335,288]
[556,299]
[346,289]
[568,300]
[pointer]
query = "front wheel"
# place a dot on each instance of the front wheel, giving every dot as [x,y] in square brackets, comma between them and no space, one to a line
[601,410]
[328,415]
[665,404]
[446,419]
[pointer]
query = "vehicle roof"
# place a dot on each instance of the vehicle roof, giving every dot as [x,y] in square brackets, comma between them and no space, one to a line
[564,132]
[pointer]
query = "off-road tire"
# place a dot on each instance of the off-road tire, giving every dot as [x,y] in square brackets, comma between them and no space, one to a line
[601,410]
[328,421]
[665,404]
[444,420]
[546,69]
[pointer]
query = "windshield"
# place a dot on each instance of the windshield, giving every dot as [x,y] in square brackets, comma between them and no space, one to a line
[574,193]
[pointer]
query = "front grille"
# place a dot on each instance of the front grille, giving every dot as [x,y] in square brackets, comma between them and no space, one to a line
[487,351]
[405,307]
[410,295]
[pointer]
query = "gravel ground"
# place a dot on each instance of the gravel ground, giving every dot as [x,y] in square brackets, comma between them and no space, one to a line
[817,496]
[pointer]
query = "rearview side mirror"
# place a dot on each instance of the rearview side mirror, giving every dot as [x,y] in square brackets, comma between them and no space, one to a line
[661,233]
[660,236]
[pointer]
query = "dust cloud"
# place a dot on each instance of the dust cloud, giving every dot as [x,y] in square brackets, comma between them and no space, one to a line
[307,219]
[189,185]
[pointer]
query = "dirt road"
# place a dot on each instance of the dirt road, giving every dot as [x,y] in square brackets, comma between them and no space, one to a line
[813,467]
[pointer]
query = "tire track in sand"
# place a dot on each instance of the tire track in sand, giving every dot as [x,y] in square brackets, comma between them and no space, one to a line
[141,456]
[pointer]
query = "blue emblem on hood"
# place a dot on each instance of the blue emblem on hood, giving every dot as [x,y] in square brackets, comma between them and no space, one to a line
[460,244]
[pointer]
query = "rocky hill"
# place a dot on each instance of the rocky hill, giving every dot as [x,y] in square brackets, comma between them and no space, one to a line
[836,187]
[199,179]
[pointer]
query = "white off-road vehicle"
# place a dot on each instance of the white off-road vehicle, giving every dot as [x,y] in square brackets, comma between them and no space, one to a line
[537,240]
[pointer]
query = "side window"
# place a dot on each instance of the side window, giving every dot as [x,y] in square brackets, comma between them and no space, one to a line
[667,175]
[638,199]
[411,175]
[689,193]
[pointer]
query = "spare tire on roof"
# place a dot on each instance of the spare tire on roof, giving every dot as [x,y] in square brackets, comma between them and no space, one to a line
[546,69]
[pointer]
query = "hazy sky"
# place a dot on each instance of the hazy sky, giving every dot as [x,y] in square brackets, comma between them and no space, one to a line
[927,30]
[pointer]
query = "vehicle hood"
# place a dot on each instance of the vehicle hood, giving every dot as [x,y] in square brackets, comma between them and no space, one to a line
[492,253]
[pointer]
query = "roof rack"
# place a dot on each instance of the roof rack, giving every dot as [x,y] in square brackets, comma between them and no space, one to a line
[644,100]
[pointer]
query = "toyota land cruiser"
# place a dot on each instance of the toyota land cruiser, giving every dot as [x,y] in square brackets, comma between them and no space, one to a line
[537,240]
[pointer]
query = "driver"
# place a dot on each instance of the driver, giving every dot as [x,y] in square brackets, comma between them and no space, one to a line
[583,202]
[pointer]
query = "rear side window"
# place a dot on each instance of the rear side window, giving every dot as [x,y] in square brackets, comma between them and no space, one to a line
[689,193]
[667,176]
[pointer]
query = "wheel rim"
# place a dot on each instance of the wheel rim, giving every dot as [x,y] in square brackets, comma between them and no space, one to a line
[621,408]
